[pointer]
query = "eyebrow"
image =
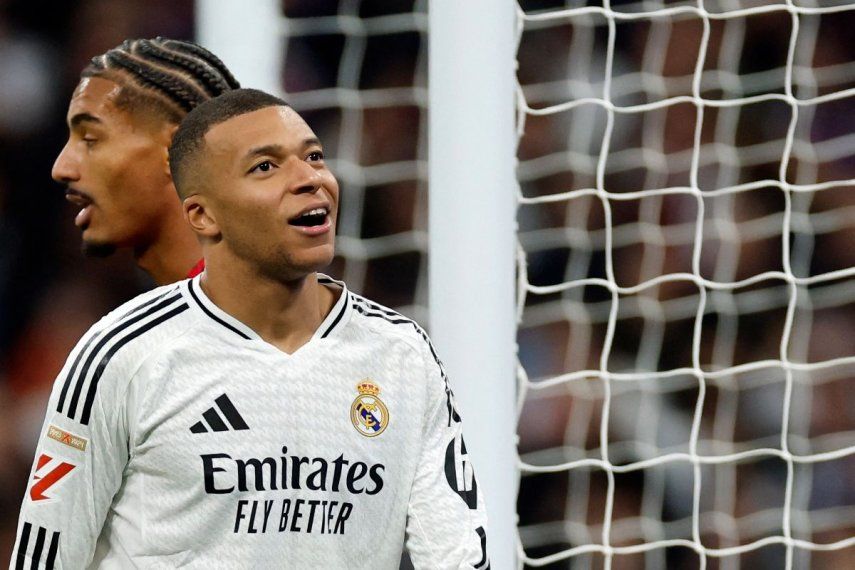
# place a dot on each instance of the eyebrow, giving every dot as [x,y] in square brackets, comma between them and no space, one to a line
[278,149]
[266,149]
[83,118]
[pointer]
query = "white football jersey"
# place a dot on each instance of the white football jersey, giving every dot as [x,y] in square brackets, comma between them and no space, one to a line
[175,436]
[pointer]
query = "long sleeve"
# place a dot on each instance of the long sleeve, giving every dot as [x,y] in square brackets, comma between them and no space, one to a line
[447,521]
[78,465]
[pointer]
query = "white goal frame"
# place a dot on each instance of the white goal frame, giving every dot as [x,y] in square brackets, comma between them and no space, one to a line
[472,232]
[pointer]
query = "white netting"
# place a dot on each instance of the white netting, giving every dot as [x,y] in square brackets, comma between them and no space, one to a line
[687,284]
[357,71]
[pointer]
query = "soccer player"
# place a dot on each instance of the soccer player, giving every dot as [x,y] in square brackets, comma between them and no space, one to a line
[259,415]
[121,119]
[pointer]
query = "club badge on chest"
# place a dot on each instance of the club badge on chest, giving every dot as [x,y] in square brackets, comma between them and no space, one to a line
[369,414]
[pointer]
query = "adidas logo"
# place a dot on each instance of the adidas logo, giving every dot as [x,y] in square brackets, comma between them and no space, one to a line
[215,421]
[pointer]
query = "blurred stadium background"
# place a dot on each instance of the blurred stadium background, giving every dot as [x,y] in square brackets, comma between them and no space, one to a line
[361,82]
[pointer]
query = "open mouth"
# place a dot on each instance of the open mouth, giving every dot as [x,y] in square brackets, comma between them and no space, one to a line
[84,216]
[310,218]
[77,198]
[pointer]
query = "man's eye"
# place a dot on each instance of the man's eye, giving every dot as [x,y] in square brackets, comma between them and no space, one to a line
[316,156]
[89,141]
[262,166]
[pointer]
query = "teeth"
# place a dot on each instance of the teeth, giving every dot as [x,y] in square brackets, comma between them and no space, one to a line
[316,212]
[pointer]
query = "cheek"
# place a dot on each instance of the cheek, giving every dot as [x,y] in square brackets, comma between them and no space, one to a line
[135,181]
[263,202]
[97,168]
[331,184]
[106,180]
[247,219]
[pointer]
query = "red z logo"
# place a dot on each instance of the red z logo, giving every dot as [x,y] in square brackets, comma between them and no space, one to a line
[52,471]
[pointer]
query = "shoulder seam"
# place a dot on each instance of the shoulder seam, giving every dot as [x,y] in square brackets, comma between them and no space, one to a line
[174,304]
[92,337]
[142,362]
[369,308]
[105,360]
[365,308]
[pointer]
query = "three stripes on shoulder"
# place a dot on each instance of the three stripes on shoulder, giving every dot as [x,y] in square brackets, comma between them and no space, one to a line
[104,344]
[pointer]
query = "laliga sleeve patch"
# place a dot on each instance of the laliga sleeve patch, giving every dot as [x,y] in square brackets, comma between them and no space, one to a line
[67,438]
[51,472]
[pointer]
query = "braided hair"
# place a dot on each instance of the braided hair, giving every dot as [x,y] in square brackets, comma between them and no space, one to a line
[168,77]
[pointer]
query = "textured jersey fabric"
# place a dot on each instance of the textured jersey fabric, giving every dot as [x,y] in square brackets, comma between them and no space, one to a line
[176,437]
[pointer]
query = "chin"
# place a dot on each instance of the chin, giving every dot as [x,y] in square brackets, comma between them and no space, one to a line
[311,259]
[293,267]
[307,266]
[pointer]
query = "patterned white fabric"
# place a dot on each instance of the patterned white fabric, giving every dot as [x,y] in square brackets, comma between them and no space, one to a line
[176,436]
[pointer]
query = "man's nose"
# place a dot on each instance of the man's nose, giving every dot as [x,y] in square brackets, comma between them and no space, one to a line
[305,177]
[65,167]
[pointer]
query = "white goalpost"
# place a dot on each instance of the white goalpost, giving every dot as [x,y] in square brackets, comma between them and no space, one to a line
[472,210]
[629,228]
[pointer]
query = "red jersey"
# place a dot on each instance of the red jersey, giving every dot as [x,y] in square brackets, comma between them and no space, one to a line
[197,269]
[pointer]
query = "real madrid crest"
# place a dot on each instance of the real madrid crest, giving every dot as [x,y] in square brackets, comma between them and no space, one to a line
[368,413]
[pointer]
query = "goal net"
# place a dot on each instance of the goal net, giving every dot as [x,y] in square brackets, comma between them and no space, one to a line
[686,284]
[357,72]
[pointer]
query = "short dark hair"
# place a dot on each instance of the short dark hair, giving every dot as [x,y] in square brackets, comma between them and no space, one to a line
[190,136]
[167,77]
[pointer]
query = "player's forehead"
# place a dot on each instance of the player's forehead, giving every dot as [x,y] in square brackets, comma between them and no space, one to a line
[276,125]
[94,97]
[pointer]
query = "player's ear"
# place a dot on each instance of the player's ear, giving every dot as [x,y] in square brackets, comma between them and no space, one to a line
[200,217]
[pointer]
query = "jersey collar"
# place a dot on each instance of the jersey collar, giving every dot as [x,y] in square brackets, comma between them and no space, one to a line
[340,313]
[334,321]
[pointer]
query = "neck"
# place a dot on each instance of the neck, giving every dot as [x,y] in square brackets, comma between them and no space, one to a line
[171,254]
[284,313]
